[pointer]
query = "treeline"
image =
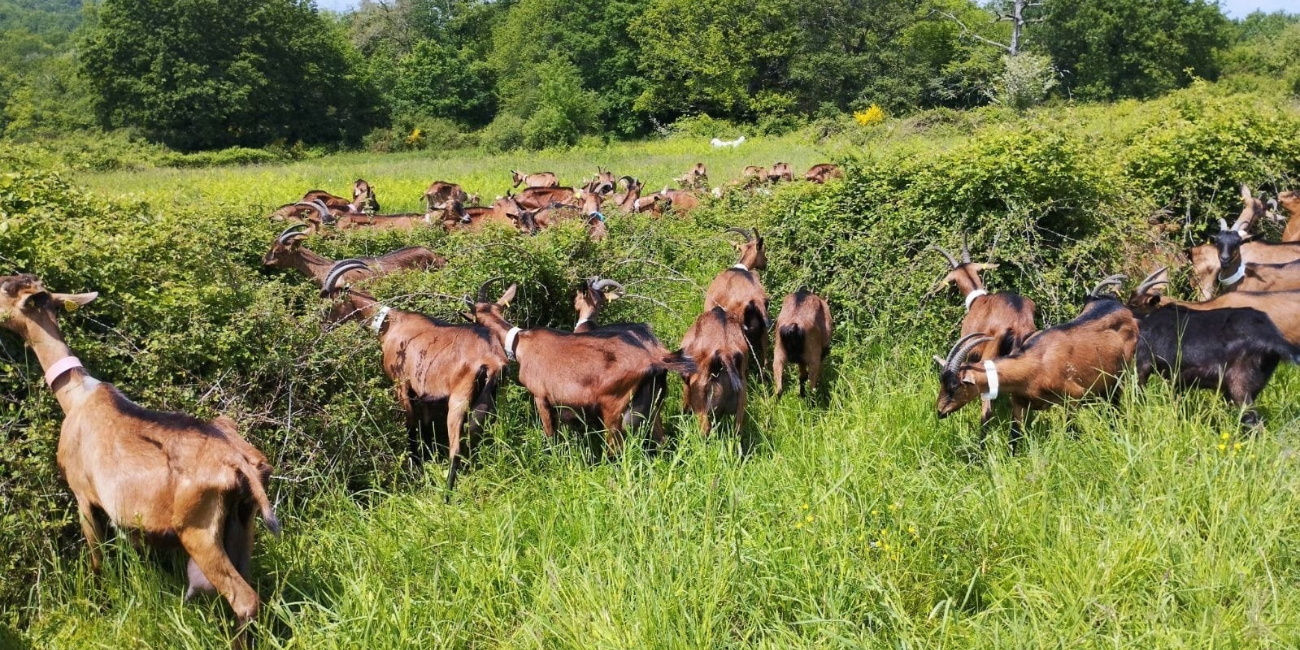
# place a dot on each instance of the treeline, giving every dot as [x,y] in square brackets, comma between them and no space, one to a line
[393,74]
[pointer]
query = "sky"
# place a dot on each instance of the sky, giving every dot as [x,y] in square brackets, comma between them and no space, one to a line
[1234,8]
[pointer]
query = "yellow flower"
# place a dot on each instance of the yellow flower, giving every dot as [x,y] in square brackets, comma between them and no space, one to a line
[808,519]
[911,529]
[872,115]
[1236,446]
[875,513]
[805,506]
[1222,446]
[798,525]
[1224,436]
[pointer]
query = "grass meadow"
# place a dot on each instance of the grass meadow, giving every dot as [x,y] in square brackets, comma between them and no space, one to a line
[858,520]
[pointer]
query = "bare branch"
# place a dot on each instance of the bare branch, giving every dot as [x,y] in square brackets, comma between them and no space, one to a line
[968,32]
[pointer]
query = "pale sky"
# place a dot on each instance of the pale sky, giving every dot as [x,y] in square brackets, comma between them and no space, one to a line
[1234,8]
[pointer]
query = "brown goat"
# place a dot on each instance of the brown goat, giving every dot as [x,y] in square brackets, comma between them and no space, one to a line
[540,179]
[780,172]
[440,192]
[1083,357]
[445,375]
[287,252]
[823,172]
[172,477]
[1257,274]
[1205,261]
[331,201]
[696,178]
[363,198]
[1282,307]
[717,344]
[681,201]
[1290,201]
[593,375]
[505,211]
[1006,318]
[536,198]
[740,293]
[803,338]
[604,182]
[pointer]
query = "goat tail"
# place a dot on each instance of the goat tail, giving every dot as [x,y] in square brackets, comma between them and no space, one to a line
[677,362]
[259,496]
[791,337]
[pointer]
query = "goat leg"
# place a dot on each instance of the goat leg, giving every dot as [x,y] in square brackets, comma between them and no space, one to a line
[201,535]
[457,406]
[93,528]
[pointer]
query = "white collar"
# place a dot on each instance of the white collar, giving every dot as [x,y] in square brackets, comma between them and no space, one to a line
[60,367]
[580,322]
[740,266]
[377,322]
[970,297]
[511,337]
[992,372]
[1236,277]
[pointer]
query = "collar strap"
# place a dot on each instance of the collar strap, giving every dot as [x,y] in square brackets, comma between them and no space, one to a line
[512,337]
[580,322]
[597,214]
[61,366]
[992,372]
[1235,277]
[970,297]
[377,322]
[740,266]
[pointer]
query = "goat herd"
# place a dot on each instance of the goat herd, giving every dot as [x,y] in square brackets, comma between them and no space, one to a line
[180,480]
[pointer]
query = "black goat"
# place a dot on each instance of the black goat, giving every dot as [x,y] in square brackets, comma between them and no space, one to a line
[1233,351]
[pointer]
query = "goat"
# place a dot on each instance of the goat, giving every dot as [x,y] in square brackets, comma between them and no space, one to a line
[1259,274]
[718,144]
[1290,201]
[1205,261]
[593,374]
[536,198]
[1005,317]
[780,172]
[696,178]
[445,375]
[363,198]
[717,345]
[331,201]
[1282,307]
[405,221]
[540,179]
[604,181]
[823,172]
[755,171]
[627,202]
[440,192]
[505,211]
[296,212]
[803,338]
[1232,350]
[170,476]
[287,252]
[681,201]
[740,293]
[1072,360]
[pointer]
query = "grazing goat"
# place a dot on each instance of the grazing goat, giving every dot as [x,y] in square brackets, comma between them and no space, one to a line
[172,477]
[718,144]
[780,172]
[1290,201]
[540,179]
[1282,307]
[1069,361]
[440,192]
[445,375]
[803,338]
[1259,274]
[1233,351]
[819,174]
[696,178]
[717,345]
[740,293]
[1005,317]
[594,374]
[288,253]
[1205,259]
[363,198]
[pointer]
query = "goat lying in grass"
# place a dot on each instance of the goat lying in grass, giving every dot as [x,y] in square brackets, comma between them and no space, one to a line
[168,476]
[288,253]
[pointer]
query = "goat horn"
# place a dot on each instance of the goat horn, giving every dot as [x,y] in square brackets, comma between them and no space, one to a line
[1111,280]
[482,289]
[290,233]
[742,231]
[1223,225]
[602,285]
[951,260]
[1151,282]
[957,355]
[965,251]
[337,271]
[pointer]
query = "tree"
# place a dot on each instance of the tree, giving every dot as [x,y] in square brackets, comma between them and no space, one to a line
[1127,48]
[198,74]
[433,81]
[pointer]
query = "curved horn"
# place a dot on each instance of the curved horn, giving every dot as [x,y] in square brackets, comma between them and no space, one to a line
[605,284]
[957,355]
[482,288]
[1111,280]
[291,233]
[743,231]
[951,260]
[337,271]
[965,251]
[1151,282]
[1223,225]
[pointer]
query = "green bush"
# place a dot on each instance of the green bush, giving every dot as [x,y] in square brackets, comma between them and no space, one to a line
[505,133]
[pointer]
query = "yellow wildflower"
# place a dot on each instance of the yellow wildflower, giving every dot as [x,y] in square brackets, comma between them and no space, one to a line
[873,114]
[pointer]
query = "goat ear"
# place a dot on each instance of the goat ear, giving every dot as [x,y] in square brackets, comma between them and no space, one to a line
[467,317]
[74,301]
[967,379]
[509,295]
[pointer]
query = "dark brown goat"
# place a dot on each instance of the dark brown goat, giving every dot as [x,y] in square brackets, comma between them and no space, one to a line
[594,374]
[717,344]
[540,179]
[780,172]
[363,198]
[440,192]
[1083,357]
[172,477]
[1006,318]
[739,292]
[1282,307]
[287,252]
[823,172]
[445,375]
[803,338]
